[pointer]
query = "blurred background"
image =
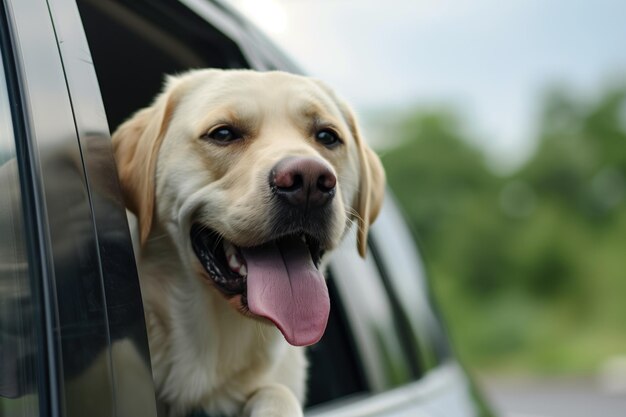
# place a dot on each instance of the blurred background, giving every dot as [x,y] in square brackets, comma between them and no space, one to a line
[502,127]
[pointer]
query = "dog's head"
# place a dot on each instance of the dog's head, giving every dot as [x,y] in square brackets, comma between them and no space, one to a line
[255,176]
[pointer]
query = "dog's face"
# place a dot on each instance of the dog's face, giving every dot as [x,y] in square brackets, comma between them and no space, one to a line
[255,176]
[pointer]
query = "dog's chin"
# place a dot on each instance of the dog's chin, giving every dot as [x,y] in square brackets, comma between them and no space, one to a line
[277,280]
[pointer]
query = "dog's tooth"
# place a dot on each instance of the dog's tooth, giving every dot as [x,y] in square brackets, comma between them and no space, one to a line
[229,248]
[243,271]
[303,238]
[233,261]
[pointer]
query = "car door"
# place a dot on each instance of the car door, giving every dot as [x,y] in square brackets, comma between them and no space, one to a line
[87,335]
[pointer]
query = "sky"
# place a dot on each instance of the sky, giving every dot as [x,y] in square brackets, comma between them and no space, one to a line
[490,60]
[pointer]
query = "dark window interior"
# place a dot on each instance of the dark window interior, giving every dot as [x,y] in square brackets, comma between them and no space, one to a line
[334,371]
[133,43]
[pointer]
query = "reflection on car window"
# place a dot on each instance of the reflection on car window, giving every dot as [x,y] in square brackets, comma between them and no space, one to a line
[371,316]
[398,256]
[17,330]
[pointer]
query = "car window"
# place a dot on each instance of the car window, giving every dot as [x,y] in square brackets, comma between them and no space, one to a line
[404,276]
[18,339]
[133,43]
[372,316]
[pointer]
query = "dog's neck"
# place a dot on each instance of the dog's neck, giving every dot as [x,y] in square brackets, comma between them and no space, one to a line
[202,350]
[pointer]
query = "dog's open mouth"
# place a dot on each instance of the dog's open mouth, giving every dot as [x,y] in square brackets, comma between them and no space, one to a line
[279,280]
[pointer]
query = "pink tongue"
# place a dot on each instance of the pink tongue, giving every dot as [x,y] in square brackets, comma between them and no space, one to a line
[285,287]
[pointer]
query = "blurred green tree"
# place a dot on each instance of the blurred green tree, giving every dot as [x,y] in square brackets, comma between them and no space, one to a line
[528,267]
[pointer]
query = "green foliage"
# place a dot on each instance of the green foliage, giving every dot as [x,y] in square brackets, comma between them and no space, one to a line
[529,268]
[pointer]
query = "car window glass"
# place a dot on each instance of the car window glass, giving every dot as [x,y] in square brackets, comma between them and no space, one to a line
[371,316]
[398,256]
[18,342]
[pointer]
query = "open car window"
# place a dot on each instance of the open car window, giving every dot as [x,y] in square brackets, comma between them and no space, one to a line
[133,44]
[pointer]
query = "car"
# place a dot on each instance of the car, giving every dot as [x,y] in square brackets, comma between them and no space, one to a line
[72,333]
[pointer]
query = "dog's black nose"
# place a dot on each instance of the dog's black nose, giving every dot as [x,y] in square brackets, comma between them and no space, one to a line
[303,181]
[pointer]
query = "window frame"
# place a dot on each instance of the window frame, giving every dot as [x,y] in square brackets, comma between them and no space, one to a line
[28,208]
[32,190]
[118,268]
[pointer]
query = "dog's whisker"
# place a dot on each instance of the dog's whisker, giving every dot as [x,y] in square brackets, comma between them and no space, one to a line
[350,222]
[350,210]
[353,212]
[359,219]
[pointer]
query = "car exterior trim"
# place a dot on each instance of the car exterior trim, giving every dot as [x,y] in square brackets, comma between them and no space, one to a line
[20,16]
[118,271]
[408,400]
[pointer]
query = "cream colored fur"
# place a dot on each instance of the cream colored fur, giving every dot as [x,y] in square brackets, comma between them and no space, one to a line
[205,353]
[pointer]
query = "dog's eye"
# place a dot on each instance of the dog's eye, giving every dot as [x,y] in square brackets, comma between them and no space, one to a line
[223,134]
[328,138]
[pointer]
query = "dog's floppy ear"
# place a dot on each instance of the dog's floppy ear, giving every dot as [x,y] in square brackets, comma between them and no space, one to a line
[136,146]
[371,191]
[371,186]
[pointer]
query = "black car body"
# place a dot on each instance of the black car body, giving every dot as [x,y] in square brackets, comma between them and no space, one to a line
[70,302]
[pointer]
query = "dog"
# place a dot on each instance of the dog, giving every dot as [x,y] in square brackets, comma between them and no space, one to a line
[242,182]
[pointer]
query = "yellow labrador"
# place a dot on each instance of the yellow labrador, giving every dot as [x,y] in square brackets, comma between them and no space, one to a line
[241,182]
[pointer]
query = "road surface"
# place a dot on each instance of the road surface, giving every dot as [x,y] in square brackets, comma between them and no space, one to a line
[533,397]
